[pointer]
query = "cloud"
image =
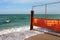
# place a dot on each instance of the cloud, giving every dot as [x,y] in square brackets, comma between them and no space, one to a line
[15,9]
[20,1]
[26,1]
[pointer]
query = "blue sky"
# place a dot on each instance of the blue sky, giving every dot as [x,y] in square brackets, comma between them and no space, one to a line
[20,6]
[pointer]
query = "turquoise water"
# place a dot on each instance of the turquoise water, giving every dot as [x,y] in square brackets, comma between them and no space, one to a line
[20,20]
[16,20]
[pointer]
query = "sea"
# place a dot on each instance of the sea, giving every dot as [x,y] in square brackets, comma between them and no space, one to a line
[12,22]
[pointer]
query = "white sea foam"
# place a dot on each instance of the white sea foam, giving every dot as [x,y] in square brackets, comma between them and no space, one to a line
[18,33]
[20,29]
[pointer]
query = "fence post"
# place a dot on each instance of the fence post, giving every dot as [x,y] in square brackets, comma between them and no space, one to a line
[45,11]
[31,20]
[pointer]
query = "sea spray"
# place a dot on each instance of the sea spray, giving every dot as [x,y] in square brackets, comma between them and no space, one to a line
[20,29]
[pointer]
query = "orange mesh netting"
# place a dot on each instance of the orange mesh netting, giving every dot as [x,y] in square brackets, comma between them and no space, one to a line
[47,23]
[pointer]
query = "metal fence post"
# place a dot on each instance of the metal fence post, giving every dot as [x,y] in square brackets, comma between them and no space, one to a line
[31,21]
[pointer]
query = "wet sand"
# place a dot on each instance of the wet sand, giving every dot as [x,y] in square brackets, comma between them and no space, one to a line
[43,37]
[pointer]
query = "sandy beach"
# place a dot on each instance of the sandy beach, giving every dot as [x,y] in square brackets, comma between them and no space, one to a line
[43,37]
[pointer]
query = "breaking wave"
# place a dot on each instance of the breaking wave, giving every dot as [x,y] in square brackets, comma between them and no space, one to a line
[20,29]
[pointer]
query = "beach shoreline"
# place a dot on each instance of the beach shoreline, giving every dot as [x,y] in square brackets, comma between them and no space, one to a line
[19,34]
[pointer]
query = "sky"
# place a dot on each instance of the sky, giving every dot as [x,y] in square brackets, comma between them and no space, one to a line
[21,6]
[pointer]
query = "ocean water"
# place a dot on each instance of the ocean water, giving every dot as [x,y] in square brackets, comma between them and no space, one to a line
[19,20]
[11,21]
[14,20]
